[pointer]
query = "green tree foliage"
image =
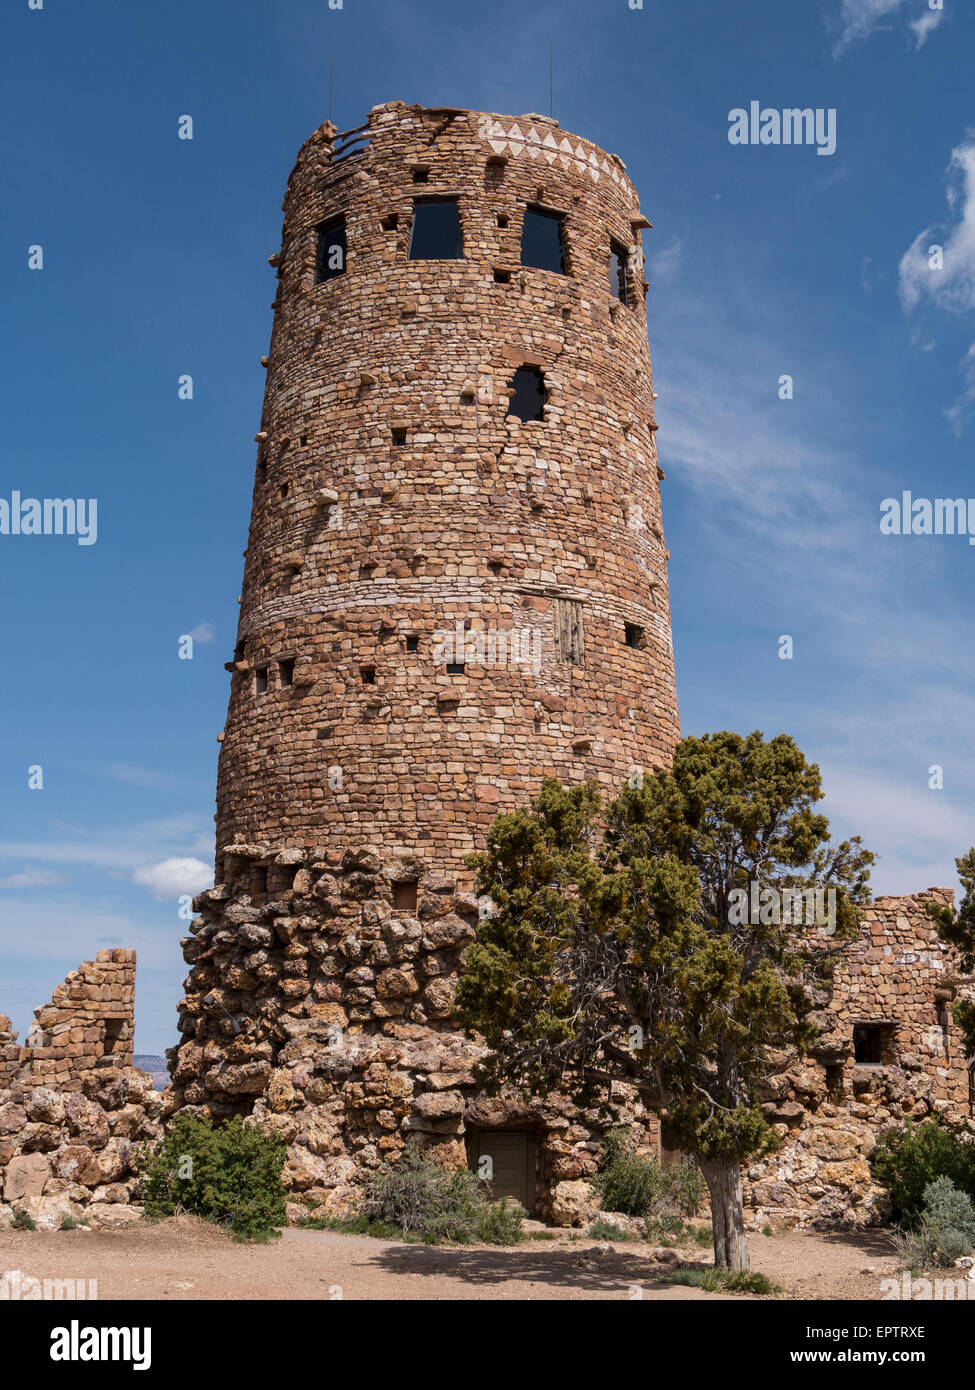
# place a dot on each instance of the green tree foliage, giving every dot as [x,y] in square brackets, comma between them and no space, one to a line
[957,928]
[422,1198]
[228,1173]
[614,953]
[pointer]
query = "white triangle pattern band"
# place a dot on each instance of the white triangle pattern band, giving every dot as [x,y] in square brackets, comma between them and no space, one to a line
[514,140]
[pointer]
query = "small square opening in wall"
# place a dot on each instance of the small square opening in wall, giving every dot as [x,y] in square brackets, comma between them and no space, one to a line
[412,642]
[421,173]
[405,895]
[368,674]
[283,491]
[399,438]
[455,668]
[260,680]
[528,401]
[634,636]
[286,670]
[503,219]
[870,1041]
[304,440]
[113,1042]
[390,223]
[502,277]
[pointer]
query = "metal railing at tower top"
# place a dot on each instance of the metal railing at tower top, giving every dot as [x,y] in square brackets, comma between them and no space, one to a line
[348,144]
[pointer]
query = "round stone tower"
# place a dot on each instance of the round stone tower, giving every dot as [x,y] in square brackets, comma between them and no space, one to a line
[455,585]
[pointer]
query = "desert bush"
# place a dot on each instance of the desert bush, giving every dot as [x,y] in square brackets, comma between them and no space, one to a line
[945,1231]
[420,1197]
[228,1173]
[911,1157]
[636,1186]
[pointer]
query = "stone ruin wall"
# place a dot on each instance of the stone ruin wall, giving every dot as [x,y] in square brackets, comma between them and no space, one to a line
[72,1105]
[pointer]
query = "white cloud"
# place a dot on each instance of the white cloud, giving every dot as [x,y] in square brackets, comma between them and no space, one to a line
[861,18]
[203,632]
[172,877]
[962,408]
[952,287]
[30,878]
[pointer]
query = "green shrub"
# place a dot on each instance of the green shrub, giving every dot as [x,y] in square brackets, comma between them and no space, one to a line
[605,1230]
[637,1186]
[23,1221]
[909,1158]
[945,1232]
[228,1173]
[421,1198]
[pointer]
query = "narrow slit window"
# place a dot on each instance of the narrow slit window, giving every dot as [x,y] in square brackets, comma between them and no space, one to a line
[528,401]
[260,680]
[455,668]
[542,241]
[404,895]
[331,251]
[436,234]
[286,670]
[413,643]
[570,642]
[618,261]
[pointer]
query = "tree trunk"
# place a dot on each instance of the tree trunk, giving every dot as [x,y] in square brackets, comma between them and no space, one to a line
[727,1214]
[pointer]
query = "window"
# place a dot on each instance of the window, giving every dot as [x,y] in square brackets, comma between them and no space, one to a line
[390,223]
[502,219]
[283,491]
[869,1040]
[286,671]
[404,895]
[399,439]
[634,636]
[331,251]
[368,674]
[528,401]
[834,1081]
[260,680]
[502,277]
[569,639]
[618,258]
[436,234]
[412,643]
[421,173]
[541,241]
[113,1042]
[455,668]
[258,884]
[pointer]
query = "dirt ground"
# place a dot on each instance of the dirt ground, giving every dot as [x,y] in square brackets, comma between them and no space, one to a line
[184,1258]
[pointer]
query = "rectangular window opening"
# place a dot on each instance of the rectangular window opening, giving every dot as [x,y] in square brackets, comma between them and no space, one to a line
[528,401]
[542,241]
[834,1081]
[455,668]
[618,260]
[634,636]
[368,674]
[870,1041]
[113,1042]
[502,219]
[331,251]
[286,671]
[390,223]
[412,643]
[502,277]
[405,895]
[421,174]
[399,438]
[436,233]
[260,680]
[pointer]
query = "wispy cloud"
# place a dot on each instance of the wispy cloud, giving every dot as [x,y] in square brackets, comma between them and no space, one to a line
[203,632]
[859,19]
[31,878]
[938,268]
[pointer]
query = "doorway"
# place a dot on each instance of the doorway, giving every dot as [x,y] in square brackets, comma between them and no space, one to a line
[506,1160]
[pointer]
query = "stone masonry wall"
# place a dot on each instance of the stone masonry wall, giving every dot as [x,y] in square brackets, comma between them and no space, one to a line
[73,1108]
[395,499]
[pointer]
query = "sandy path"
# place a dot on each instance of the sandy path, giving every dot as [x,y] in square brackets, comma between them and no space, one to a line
[185,1259]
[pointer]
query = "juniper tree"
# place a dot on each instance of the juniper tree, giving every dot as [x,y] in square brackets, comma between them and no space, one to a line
[957,928]
[613,953]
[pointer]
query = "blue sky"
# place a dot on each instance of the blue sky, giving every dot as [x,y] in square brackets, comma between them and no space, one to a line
[765,260]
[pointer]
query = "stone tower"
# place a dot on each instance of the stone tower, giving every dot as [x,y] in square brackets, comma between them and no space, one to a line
[455,584]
